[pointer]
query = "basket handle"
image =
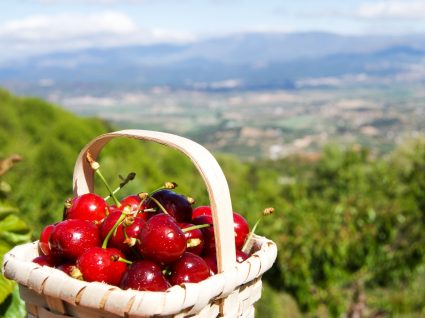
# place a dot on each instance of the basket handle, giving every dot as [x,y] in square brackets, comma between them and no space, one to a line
[207,166]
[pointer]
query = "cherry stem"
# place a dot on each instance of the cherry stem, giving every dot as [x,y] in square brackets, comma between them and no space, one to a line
[114,192]
[159,205]
[149,210]
[248,240]
[167,185]
[76,273]
[166,272]
[250,235]
[193,242]
[112,230]
[120,259]
[129,178]
[195,227]
[96,167]
[111,193]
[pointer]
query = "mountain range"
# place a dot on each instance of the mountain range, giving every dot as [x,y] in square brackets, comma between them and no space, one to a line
[246,61]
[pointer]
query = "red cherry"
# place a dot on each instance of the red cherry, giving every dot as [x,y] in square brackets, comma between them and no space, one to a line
[201,210]
[118,238]
[194,238]
[70,238]
[241,256]
[144,275]
[43,243]
[161,239]
[44,260]
[133,201]
[190,268]
[241,228]
[175,204]
[89,206]
[102,265]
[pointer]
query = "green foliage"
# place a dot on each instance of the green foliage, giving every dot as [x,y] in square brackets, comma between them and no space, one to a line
[13,231]
[13,306]
[49,140]
[346,220]
[351,218]
[276,304]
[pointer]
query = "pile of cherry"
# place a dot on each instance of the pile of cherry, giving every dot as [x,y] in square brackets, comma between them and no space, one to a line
[148,241]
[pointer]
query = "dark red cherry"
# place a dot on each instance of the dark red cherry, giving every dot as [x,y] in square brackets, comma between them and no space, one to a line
[102,265]
[175,204]
[89,206]
[44,260]
[70,238]
[131,225]
[161,239]
[201,210]
[194,238]
[211,260]
[190,268]
[144,275]
[43,243]
[241,229]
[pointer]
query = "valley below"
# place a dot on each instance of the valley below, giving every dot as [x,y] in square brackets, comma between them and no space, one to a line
[265,124]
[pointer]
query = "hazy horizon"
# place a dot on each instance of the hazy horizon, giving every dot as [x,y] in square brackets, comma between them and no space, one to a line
[41,26]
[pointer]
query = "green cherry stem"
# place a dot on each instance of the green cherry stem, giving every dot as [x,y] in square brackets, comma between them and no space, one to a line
[114,228]
[113,192]
[120,259]
[117,258]
[195,227]
[96,167]
[267,211]
[108,187]
[145,195]
[159,205]
[129,178]
[170,185]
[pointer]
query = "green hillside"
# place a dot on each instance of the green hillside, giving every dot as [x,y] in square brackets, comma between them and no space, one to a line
[49,140]
[349,226]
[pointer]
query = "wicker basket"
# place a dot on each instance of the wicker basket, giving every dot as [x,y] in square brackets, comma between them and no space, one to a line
[50,293]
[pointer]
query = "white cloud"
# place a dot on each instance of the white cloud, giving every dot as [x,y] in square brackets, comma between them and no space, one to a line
[44,33]
[392,9]
[69,26]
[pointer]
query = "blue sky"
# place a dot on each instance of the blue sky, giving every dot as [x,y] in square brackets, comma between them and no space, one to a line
[49,25]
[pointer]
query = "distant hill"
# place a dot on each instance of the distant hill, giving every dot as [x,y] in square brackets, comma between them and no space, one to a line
[244,61]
